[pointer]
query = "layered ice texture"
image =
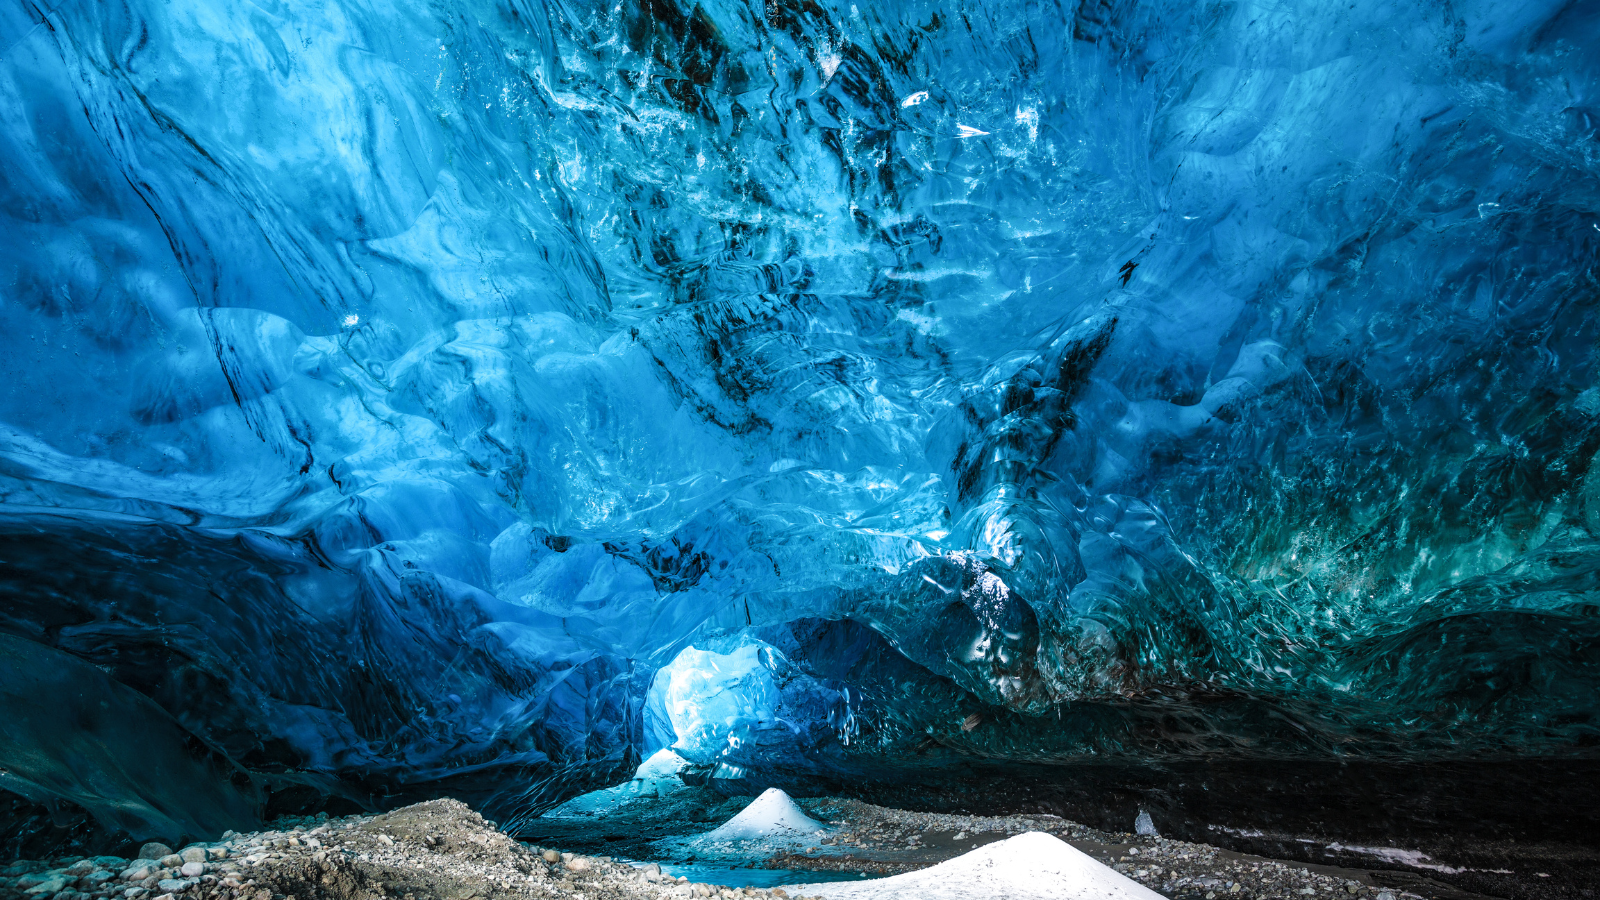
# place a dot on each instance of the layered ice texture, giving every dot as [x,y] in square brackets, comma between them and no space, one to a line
[389,391]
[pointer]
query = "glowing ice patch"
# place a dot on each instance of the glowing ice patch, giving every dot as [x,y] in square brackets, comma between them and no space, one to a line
[1028,117]
[914,99]
[828,61]
[351,320]
[966,131]
[712,699]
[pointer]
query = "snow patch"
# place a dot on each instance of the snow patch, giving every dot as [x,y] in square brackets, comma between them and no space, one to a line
[1032,866]
[1413,858]
[771,815]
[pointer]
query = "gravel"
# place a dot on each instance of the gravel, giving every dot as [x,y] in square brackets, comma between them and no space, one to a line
[890,841]
[440,850]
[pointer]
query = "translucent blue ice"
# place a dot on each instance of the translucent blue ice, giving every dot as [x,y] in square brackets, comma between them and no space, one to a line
[714,700]
[389,390]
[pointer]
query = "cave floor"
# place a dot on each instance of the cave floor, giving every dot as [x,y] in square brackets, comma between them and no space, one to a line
[869,840]
[442,850]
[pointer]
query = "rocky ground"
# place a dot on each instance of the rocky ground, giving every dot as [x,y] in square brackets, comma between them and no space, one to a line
[442,850]
[889,841]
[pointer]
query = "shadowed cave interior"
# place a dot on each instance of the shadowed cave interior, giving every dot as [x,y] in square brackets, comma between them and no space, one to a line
[1084,407]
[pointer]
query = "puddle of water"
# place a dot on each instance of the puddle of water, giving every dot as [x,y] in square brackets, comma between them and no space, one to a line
[761,878]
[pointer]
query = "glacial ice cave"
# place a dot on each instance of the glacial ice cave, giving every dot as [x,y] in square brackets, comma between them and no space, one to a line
[1122,404]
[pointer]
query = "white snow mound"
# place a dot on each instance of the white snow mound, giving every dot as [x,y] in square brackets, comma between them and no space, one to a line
[771,815]
[1032,866]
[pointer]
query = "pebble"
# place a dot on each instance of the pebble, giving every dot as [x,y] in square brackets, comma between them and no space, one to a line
[193,869]
[154,850]
[138,872]
[195,853]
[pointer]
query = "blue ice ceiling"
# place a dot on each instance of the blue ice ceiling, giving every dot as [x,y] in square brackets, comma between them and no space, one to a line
[390,390]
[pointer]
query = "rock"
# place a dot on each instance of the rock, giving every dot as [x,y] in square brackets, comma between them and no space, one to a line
[170,861]
[193,869]
[580,864]
[217,852]
[552,856]
[172,885]
[134,893]
[54,884]
[154,850]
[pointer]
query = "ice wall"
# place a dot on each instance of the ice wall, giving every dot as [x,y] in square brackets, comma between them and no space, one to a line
[390,389]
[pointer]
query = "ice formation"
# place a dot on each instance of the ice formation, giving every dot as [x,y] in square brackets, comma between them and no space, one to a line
[391,391]
[656,778]
[1032,866]
[712,701]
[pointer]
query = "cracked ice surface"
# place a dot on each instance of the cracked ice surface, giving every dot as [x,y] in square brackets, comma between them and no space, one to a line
[390,390]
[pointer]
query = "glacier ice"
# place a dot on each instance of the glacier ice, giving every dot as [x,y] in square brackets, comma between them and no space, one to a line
[657,777]
[392,391]
[713,701]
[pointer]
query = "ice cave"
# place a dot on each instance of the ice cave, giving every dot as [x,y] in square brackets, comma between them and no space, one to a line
[1181,414]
